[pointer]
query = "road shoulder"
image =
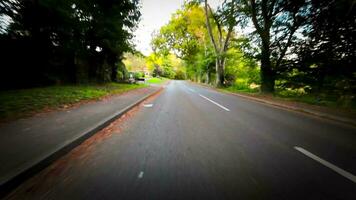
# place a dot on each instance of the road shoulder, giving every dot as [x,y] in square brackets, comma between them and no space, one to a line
[337,115]
[29,145]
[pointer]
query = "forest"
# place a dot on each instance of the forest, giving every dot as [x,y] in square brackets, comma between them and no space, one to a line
[287,48]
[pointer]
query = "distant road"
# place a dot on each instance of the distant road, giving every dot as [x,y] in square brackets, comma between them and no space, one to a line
[197,143]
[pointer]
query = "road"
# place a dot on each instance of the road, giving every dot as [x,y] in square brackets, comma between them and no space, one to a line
[191,142]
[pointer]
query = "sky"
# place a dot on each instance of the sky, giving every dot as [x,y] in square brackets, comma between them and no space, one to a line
[156,13]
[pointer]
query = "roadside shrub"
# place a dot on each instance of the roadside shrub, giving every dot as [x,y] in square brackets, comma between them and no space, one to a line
[230,79]
[138,75]
[179,75]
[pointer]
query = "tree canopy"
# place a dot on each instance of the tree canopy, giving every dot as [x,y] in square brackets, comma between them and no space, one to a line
[272,45]
[51,41]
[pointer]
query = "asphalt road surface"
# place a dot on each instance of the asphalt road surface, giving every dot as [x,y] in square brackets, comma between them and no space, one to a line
[191,142]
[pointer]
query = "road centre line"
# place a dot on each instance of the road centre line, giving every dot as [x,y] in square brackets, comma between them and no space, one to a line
[335,168]
[189,88]
[140,175]
[223,107]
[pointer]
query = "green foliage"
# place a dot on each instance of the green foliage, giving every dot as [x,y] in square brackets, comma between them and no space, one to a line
[65,41]
[164,65]
[120,75]
[157,71]
[135,62]
[186,36]
[241,69]
[180,75]
[182,34]
[326,58]
[138,75]
[244,88]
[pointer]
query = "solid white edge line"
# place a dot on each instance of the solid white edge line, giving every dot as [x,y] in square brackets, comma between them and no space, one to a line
[223,107]
[335,168]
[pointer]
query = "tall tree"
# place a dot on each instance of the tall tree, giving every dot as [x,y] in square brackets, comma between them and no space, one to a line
[74,40]
[276,23]
[113,24]
[226,18]
[186,36]
[330,45]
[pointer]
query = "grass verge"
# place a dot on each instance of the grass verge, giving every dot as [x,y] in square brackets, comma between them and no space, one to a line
[20,103]
[155,80]
[320,100]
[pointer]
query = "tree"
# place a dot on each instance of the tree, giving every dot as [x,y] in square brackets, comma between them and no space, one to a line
[186,36]
[276,23]
[227,17]
[66,41]
[330,46]
[135,62]
[166,65]
[113,23]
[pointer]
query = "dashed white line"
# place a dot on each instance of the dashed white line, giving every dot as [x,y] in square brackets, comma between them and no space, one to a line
[148,105]
[335,168]
[223,107]
[140,175]
[191,90]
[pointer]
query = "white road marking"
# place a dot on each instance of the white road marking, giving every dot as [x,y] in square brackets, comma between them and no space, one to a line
[327,164]
[148,105]
[140,175]
[189,88]
[223,107]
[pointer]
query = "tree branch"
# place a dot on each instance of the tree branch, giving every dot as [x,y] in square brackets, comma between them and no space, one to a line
[230,29]
[254,16]
[218,25]
[209,27]
[284,50]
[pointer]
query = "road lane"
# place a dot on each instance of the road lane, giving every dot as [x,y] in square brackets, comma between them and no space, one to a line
[332,140]
[327,164]
[223,107]
[185,147]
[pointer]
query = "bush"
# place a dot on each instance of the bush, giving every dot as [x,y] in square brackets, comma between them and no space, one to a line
[230,79]
[138,75]
[179,75]
[243,85]
[157,72]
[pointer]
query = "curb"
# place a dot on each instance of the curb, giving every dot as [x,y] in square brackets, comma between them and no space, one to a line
[15,180]
[343,120]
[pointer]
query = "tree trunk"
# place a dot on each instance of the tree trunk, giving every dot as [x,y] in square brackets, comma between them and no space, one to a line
[267,74]
[112,62]
[207,81]
[220,78]
[114,73]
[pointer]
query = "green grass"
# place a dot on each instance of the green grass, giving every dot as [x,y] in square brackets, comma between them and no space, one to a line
[20,103]
[317,100]
[156,80]
[241,90]
[321,100]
